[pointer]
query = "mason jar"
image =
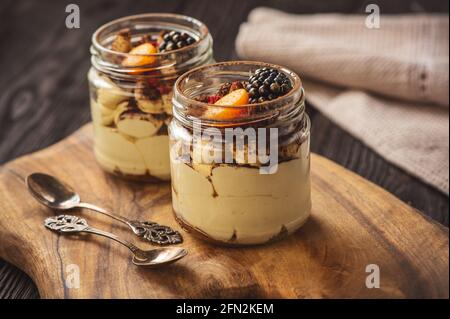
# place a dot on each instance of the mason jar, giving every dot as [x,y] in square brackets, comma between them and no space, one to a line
[131,90]
[242,177]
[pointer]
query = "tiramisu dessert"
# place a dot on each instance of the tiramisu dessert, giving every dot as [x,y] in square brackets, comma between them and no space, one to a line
[135,63]
[240,156]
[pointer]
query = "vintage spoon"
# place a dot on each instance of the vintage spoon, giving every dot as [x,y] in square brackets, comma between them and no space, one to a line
[54,194]
[151,258]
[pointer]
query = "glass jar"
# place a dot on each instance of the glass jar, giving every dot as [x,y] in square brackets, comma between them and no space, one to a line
[131,102]
[241,179]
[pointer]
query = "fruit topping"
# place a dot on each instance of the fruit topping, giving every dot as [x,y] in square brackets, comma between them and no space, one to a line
[174,40]
[213,99]
[227,114]
[147,39]
[235,98]
[236,85]
[148,44]
[140,55]
[229,87]
[122,41]
[267,84]
[224,89]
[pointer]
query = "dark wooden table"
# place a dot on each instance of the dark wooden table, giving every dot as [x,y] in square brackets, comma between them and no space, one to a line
[44,89]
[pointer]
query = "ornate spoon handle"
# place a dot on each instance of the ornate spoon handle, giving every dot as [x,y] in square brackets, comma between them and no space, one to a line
[153,232]
[74,224]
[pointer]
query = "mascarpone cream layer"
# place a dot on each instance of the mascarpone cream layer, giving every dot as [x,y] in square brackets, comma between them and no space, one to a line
[236,204]
[131,146]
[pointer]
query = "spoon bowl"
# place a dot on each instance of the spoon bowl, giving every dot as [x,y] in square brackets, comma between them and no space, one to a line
[156,257]
[51,192]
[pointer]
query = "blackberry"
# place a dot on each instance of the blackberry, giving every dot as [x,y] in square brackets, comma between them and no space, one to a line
[173,40]
[267,84]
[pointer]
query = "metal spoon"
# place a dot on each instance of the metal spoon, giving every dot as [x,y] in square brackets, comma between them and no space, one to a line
[54,194]
[151,258]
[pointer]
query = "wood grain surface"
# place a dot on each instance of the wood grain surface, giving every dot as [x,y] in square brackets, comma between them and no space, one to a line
[44,89]
[353,224]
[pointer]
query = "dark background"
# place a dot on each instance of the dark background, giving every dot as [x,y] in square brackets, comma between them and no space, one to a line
[44,93]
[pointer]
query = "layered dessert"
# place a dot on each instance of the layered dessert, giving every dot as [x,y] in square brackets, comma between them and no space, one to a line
[131,81]
[231,199]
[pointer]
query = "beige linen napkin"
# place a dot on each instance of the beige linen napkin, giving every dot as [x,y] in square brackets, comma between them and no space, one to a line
[388,86]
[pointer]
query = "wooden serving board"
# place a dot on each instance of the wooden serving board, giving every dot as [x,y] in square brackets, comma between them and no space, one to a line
[353,224]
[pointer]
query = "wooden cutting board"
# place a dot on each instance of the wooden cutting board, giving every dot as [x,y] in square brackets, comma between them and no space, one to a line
[353,224]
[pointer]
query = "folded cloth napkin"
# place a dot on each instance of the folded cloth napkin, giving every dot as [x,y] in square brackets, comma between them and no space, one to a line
[389,87]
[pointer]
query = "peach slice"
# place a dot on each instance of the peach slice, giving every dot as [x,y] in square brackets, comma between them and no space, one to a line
[140,55]
[235,98]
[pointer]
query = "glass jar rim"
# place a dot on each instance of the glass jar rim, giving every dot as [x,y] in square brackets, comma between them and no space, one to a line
[295,95]
[202,28]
